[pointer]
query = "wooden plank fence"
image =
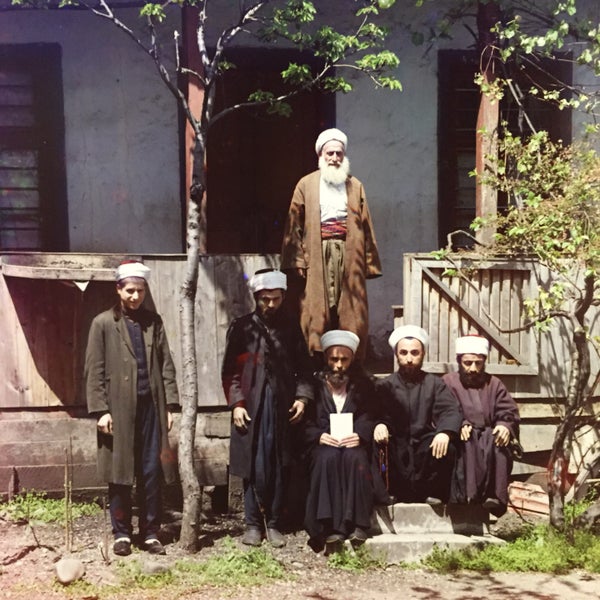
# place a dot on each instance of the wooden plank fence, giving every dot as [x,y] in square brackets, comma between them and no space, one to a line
[488,301]
[47,302]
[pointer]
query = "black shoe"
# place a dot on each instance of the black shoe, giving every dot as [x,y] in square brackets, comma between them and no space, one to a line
[433,501]
[491,504]
[153,546]
[358,537]
[252,537]
[334,543]
[334,538]
[275,538]
[122,547]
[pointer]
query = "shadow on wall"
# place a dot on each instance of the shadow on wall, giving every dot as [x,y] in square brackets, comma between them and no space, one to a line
[50,316]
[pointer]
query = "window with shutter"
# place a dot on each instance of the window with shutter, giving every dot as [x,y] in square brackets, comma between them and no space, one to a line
[32,174]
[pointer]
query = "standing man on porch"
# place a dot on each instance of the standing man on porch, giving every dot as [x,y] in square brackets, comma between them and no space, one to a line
[131,390]
[329,243]
[491,419]
[267,380]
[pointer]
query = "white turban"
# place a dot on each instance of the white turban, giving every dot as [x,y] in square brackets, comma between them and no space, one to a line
[472,344]
[330,135]
[132,269]
[268,280]
[340,337]
[408,331]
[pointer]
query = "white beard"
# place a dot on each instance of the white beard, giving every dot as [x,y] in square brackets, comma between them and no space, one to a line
[334,175]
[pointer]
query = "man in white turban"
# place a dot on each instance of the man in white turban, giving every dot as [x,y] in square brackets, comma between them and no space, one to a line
[420,425]
[341,493]
[132,391]
[490,421]
[329,246]
[267,380]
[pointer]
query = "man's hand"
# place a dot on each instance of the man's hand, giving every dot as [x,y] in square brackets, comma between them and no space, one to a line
[327,440]
[465,431]
[352,441]
[105,424]
[296,412]
[169,420]
[241,418]
[301,272]
[439,445]
[381,434]
[502,435]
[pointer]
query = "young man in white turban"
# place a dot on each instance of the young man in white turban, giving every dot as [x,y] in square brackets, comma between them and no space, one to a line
[421,423]
[491,419]
[329,245]
[341,493]
[267,379]
[131,390]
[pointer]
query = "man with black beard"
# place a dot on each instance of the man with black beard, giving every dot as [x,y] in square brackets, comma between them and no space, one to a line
[341,492]
[267,381]
[421,423]
[491,419]
[329,248]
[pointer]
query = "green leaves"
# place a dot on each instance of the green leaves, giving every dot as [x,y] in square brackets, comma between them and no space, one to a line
[274,106]
[155,11]
[554,215]
[358,47]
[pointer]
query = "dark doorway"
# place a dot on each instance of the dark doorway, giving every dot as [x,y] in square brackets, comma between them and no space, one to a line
[254,158]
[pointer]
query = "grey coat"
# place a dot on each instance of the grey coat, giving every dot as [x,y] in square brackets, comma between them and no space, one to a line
[111,386]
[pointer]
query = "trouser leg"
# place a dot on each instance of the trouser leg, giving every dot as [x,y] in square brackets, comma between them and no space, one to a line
[253,516]
[148,469]
[119,500]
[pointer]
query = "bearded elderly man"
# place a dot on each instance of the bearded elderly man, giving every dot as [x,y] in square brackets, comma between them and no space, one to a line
[421,423]
[267,381]
[491,420]
[131,390]
[341,493]
[330,245]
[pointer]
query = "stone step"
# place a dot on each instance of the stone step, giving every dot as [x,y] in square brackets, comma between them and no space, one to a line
[423,518]
[395,548]
[409,532]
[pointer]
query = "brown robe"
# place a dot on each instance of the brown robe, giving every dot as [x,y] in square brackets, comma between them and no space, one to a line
[302,249]
[485,467]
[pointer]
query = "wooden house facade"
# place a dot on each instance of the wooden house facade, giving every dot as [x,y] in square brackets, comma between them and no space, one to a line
[95,167]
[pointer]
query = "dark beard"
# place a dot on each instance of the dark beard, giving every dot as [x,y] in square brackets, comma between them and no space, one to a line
[472,380]
[412,373]
[335,379]
[271,318]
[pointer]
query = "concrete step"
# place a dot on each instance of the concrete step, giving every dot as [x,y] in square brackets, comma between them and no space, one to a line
[409,532]
[423,518]
[397,548]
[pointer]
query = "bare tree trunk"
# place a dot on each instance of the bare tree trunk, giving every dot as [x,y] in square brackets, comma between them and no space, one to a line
[189,393]
[561,447]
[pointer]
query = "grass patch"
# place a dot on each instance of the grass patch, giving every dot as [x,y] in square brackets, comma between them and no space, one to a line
[132,576]
[542,550]
[357,560]
[37,507]
[232,567]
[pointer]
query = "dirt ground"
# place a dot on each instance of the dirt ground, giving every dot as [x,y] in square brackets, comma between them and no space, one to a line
[27,557]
